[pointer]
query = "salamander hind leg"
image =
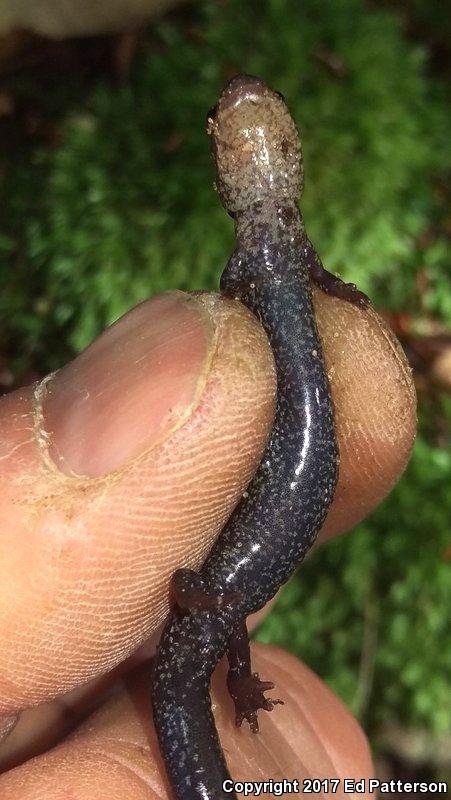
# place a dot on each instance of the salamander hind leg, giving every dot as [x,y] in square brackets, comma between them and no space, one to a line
[191,593]
[245,687]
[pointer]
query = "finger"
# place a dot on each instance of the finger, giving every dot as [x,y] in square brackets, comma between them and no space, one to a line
[115,754]
[374,404]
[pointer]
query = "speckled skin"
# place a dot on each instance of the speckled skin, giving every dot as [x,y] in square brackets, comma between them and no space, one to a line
[257,152]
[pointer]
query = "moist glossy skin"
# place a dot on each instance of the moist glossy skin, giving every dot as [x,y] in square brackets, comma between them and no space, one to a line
[257,152]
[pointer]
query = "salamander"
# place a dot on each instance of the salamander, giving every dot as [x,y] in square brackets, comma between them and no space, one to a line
[257,152]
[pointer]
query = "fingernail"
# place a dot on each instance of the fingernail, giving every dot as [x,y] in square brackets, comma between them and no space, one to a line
[130,388]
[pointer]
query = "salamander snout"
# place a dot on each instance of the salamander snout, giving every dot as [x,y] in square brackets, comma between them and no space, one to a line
[255,144]
[242,86]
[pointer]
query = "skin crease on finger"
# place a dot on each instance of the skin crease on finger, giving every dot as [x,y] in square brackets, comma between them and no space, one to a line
[114,754]
[86,561]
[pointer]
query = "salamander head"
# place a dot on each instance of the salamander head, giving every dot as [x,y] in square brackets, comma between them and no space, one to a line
[255,145]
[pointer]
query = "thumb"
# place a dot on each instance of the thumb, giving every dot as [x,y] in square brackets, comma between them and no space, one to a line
[116,471]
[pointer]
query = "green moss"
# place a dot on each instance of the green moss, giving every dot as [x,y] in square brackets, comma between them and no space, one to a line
[124,206]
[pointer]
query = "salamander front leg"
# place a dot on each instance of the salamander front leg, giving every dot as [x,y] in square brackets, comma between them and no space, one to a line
[245,687]
[332,284]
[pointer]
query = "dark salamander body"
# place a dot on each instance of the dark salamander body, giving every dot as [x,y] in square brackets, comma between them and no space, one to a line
[257,152]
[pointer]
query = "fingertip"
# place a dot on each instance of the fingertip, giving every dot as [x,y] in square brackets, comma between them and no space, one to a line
[374,403]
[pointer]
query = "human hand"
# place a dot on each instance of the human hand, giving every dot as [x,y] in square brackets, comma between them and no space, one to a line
[125,466]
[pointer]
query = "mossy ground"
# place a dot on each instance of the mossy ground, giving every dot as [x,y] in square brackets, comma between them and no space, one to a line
[121,206]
